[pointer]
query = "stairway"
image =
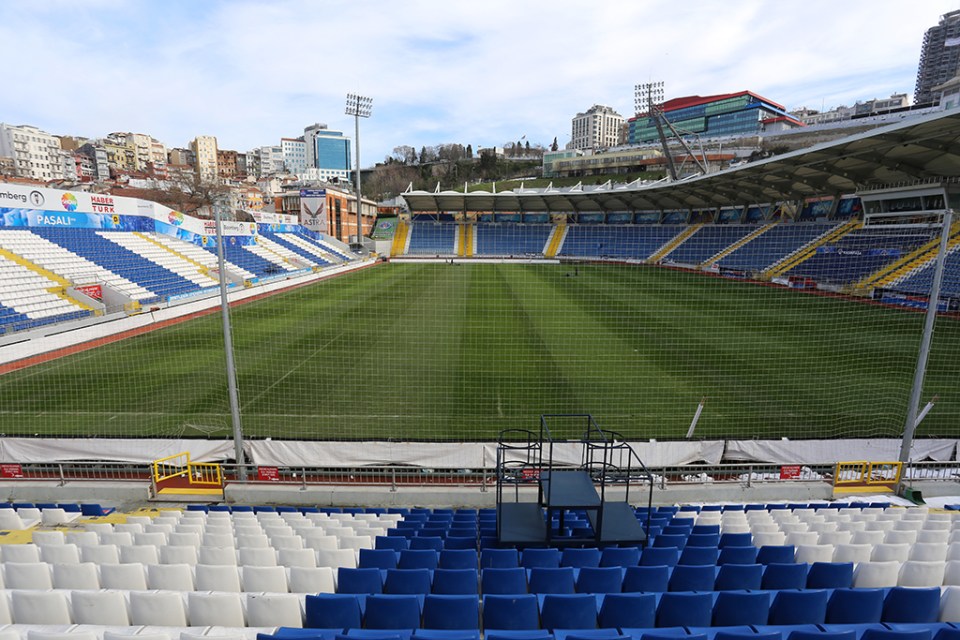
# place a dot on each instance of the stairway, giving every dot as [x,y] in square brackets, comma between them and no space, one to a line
[810,249]
[555,241]
[606,461]
[675,242]
[400,239]
[911,262]
[736,245]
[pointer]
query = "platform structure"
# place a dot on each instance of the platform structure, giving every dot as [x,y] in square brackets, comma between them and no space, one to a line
[577,468]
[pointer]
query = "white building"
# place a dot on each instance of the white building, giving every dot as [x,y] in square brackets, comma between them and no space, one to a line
[205,148]
[35,153]
[598,128]
[294,152]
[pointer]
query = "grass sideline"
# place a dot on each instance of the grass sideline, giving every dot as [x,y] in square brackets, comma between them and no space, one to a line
[459,352]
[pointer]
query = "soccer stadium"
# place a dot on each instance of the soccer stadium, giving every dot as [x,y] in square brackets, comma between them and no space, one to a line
[724,406]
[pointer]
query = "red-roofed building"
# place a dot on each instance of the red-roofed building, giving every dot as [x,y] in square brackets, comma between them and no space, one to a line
[728,114]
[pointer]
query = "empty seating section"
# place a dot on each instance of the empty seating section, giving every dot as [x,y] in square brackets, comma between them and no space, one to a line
[253,259]
[859,253]
[921,280]
[773,245]
[25,300]
[707,242]
[512,239]
[48,254]
[197,254]
[353,573]
[637,242]
[150,250]
[293,256]
[301,247]
[432,238]
[104,249]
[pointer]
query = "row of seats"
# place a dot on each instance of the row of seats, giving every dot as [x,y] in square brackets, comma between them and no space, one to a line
[140,577]
[877,631]
[453,612]
[586,611]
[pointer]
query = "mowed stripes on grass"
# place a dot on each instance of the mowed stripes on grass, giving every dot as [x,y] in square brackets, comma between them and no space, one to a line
[460,352]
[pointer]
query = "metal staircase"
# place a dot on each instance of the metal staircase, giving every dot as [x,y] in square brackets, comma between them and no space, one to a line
[592,472]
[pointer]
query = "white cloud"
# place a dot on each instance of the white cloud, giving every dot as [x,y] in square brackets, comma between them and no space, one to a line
[250,72]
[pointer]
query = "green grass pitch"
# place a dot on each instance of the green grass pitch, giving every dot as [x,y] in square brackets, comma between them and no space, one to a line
[460,352]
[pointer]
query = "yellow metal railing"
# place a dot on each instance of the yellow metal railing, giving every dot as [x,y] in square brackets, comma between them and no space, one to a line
[179,465]
[862,473]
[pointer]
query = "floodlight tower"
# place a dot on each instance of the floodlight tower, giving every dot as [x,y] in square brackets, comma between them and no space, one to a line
[359,107]
[649,96]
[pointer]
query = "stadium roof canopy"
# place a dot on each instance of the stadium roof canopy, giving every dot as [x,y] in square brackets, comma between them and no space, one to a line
[920,149]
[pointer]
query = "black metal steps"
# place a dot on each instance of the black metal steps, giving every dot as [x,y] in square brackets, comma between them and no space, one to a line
[521,523]
[568,489]
[615,523]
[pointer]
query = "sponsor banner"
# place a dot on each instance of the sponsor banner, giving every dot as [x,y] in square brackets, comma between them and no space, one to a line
[266,217]
[13,195]
[199,292]
[278,227]
[44,218]
[647,217]
[313,209]
[619,217]
[913,302]
[590,218]
[94,291]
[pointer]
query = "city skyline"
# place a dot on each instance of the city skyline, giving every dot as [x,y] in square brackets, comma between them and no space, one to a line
[251,74]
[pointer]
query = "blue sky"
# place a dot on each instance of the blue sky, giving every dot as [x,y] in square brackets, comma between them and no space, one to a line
[478,73]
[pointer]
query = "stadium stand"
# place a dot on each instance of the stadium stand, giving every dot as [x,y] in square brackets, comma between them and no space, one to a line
[708,241]
[626,242]
[766,249]
[432,238]
[257,570]
[512,239]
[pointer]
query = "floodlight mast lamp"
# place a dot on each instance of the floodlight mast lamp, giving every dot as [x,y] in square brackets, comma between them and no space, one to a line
[359,107]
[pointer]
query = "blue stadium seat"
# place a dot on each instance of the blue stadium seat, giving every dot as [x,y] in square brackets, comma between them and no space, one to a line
[426,542]
[703,539]
[699,555]
[297,633]
[738,555]
[461,542]
[747,633]
[503,581]
[455,581]
[392,612]
[499,558]
[510,612]
[776,554]
[830,575]
[735,540]
[332,611]
[702,529]
[808,606]
[823,635]
[620,557]
[568,611]
[458,558]
[897,634]
[451,612]
[600,580]
[505,634]
[632,610]
[785,576]
[395,543]
[911,604]
[652,556]
[407,581]
[552,580]
[854,606]
[540,558]
[378,559]
[693,577]
[359,580]
[676,541]
[654,579]
[738,576]
[418,558]
[740,608]
[583,557]
[685,610]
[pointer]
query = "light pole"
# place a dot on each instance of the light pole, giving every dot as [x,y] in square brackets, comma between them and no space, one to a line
[359,107]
